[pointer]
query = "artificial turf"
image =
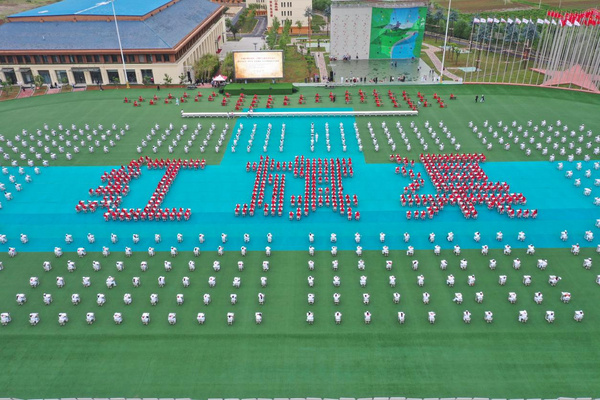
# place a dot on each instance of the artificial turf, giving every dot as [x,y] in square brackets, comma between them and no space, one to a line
[284,357]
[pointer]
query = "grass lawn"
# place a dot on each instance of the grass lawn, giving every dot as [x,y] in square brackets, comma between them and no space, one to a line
[284,356]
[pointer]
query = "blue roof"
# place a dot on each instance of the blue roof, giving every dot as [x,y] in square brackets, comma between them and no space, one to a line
[95,7]
[161,31]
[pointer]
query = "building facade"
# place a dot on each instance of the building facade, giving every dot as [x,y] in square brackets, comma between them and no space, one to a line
[283,10]
[76,41]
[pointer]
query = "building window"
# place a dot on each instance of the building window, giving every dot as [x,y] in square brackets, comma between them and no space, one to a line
[106,59]
[46,59]
[96,77]
[159,58]
[113,76]
[38,59]
[115,59]
[142,58]
[131,76]
[149,58]
[89,59]
[72,59]
[63,59]
[96,58]
[147,76]
[130,58]
[79,76]
[166,57]
[2,60]
[62,76]
[19,60]
[80,61]
[46,76]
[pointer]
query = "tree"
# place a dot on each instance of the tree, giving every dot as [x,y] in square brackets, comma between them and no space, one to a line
[38,80]
[299,25]
[284,39]
[227,65]
[234,30]
[308,13]
[7,85]
[438,15]
[457,52]
[182,78]
[327,13]
[167,79]
[461,29]
[272,38]
[321,4]
[206,66]
[453,18]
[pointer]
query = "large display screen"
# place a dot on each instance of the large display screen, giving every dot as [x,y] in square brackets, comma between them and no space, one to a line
[258,64]
[397,32]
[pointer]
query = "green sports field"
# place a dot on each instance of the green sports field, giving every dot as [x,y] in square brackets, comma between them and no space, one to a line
[284,356]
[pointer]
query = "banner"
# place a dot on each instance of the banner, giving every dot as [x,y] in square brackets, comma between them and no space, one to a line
[397,33]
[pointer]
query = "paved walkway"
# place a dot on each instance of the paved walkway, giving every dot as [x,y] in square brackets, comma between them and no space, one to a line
[430,51]
[320,62]
[25,92]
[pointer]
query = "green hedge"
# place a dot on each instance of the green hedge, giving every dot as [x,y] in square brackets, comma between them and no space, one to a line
[259,88]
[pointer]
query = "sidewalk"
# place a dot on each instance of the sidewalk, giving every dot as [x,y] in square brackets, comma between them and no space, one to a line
[430,51]
[320,62]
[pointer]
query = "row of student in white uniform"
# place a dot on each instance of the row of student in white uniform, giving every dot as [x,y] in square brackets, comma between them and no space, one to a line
[450,281]
[63,318]
[521,236]
[311,298]
[111,282]
[71,265]
[127,299]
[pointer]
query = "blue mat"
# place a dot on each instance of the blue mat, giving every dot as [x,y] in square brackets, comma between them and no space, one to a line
[45,209]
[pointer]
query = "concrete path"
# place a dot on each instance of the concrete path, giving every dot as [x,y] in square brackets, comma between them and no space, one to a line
[430,51]
[320,62]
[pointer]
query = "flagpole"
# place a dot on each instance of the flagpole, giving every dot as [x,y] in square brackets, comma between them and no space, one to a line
[445,41]
[487,55]
[537,52]
[525,41]
[595,63]
[513,25]
[480,45]
[566,53]
[501,50]
[470,46]
[572,60]
[575,60]
[112,2]
[476,45]
[512,67]
[591,54]
[525,28]
[539,59]
[495,50]
[552,56]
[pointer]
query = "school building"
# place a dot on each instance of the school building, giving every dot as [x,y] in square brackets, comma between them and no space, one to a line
[76,41]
